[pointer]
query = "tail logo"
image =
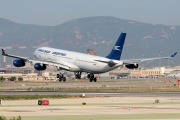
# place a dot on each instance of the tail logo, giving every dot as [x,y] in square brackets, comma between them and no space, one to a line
[117,48]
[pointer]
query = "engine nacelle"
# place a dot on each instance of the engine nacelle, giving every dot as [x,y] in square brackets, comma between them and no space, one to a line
[39,67]
[111,63]
[18,63]
[132,66]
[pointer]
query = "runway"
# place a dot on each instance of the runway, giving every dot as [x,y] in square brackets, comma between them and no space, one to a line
[122,94]
[96,108]
[100,105]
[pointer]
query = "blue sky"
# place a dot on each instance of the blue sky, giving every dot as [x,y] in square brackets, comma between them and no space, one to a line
[54,12]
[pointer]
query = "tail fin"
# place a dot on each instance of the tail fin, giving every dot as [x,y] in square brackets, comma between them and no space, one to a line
[115,53]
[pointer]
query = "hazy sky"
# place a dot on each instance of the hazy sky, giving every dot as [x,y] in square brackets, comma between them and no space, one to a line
[54,12]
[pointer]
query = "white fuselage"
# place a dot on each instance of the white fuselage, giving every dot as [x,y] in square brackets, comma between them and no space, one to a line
[78,62]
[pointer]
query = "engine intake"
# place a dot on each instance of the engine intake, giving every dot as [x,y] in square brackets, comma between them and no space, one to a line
[18,63]
[39,67]
[132,66]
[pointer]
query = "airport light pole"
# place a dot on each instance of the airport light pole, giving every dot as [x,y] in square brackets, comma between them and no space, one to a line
[168,63]
[160,59]
[143,62]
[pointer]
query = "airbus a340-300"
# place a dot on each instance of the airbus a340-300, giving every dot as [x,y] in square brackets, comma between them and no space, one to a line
[79,62]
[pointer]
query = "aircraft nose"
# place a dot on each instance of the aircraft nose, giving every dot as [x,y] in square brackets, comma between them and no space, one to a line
[35,53]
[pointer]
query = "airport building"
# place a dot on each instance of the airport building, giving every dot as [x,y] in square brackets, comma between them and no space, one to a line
[152,72]
[28,73]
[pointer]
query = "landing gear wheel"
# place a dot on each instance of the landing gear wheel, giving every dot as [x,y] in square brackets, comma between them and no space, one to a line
[91,79]
[57,75]
[88,76]
[61,77]
[77,75]
[64,79]
[95,79]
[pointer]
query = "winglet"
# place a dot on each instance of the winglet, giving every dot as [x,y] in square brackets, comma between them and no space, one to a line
[173,55]
[3,52]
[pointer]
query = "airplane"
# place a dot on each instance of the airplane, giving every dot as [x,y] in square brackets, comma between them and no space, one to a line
[79,62]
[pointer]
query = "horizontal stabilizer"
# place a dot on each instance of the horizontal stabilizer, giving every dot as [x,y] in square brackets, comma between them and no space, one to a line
[173,55]
[3,52]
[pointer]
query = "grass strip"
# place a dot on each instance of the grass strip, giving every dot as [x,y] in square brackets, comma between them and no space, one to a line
[31,97]
[102,89]
[128,116]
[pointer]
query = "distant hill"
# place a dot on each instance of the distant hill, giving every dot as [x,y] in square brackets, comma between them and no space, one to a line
[98,33]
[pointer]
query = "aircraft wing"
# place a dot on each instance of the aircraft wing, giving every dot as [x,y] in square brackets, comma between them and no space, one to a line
[33,61]
[14,56]
[131,61]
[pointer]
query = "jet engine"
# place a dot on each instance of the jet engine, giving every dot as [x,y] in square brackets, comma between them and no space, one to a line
[39,66]
[111,63]
[132,66]
[18,63]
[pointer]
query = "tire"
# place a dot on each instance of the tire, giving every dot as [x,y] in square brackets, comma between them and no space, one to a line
[57,75]
[78,76]
[60,79]
[88,76]
[95,79]
[91,79]
[64,79]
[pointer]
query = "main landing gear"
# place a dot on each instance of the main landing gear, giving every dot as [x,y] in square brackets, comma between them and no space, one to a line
[77,75]
[61,77]
[91,77]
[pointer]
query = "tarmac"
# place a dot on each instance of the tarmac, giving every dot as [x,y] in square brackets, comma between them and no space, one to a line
[97,94]
[96,108]
[99,106]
